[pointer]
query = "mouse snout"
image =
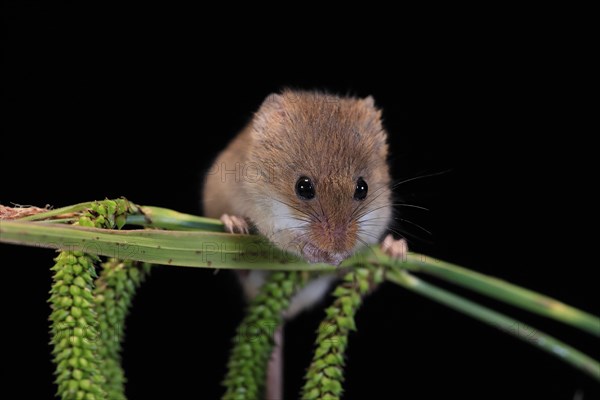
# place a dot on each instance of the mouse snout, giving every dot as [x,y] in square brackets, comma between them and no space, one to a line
[334,237]
[316,254]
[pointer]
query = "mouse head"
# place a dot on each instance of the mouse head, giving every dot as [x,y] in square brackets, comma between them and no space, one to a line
[325,182]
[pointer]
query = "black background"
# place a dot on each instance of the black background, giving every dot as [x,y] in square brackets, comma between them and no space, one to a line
[136,102]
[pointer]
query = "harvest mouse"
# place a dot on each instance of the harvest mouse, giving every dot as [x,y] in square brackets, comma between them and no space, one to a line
[310,173]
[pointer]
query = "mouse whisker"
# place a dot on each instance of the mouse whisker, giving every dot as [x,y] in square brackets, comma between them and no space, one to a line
[299,240]
[364,223]
[414,224]
[314,212]
[374,223]
[303,212]
[364,214]
[410,205]
[394,231]
[288,228]
[365,244]
[300,218]
[416,237]
[320,206]
[364,205]
[383,189]
[365,234]
[406,235]
[396,184]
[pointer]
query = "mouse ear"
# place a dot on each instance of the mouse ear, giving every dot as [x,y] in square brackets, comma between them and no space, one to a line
[369,101]
[373,114]
[372,123]
[271,112]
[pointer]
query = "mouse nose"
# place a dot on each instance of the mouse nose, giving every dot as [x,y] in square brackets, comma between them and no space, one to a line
[335,237]
[337,258]
[313,253]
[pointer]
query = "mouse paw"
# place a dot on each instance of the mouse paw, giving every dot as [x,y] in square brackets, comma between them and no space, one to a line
[235,224]
[396,249]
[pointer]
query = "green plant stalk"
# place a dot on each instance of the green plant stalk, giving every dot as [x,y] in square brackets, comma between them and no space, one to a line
[186,248]
[500,321]
[504,291]
[254,342]
[176,248]
[113,294]
[59,212]
[183,248]
[157,217]
[325,374]
[148,216]
[489,286]
[93,209]
[220,250]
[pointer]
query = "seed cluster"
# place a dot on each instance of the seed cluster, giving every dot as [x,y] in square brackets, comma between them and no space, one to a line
[325,374]
[79,322]
[253,342]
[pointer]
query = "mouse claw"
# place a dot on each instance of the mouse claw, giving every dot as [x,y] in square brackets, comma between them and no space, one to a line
[396,249]
[235,224]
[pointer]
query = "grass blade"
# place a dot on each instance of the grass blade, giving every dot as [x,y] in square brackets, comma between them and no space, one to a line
[500,321]
[58,212]
[223,250]
[190,249]
[506,292]
[164,218]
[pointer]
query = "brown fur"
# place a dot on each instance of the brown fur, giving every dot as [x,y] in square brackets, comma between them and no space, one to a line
[333,141]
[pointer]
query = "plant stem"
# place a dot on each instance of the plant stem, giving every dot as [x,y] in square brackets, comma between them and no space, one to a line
[69,210]
[148,216]
[504,291]
[489,286]
[157,217]
[221,250]
[183,248]
[500,321]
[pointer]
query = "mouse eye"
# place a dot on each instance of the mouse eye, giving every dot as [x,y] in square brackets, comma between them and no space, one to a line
[305,189]
[361,189]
